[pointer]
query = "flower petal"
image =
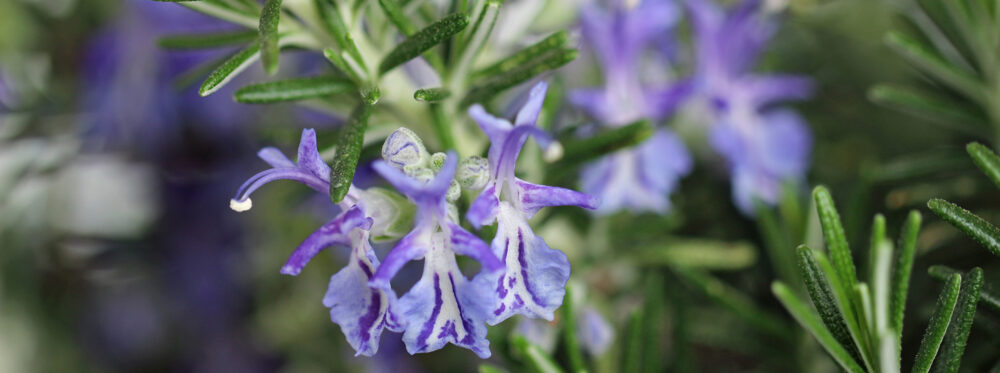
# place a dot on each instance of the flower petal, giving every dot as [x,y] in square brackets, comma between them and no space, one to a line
[439,309]
[309,159]
[275,158]
[529,112]
[336,232]
[361,311]
[465,243]
[533,197]
[413,246]
[484,209]
[594,331]
[418,191]
[534,282]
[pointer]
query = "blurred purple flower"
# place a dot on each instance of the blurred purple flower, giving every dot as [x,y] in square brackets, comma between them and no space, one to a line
[443,306]
[594,331]
[361,311]
[763,146]
[535,278]
[639,179]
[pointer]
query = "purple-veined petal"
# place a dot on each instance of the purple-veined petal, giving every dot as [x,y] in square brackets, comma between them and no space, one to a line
[495,128]
[533,197]
[529,112]
[275,158]
[534,282]
[361,311]
[308,157]
[440,309]
[507,159]
[336,232]
[484,209]
[465,243]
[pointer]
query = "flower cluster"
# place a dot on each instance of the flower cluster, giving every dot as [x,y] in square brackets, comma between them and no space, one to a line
[763,146]
[520,274]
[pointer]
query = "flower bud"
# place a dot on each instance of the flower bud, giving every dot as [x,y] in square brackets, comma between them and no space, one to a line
[454,191]
[437,161]
[473,172]
[403,149]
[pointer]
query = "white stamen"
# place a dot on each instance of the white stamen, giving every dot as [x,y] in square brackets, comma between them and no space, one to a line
[240,206]
[554,152]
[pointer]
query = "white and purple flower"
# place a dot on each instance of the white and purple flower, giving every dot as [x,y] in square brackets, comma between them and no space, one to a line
[764,146]
[534,282]
[443,306]
[642,178]
[361,311]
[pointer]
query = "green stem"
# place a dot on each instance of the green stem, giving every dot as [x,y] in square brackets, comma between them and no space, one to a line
[442,127]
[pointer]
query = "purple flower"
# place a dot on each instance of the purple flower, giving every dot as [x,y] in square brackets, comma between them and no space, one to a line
[535,278]
[595,333]
[638,179]
[763,146]
[443,306]
[361,311]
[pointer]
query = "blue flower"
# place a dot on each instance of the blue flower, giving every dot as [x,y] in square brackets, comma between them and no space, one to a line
[361,311]
[535,278]
[764,146]
[443,306]
[642,178]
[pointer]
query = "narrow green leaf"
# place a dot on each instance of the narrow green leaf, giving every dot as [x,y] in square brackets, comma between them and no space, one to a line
[953,346]
[938,324]
[980,230]
[736,302]
[776,242]
[577,152]
[653,311]
[852,311]
[329,13]
[903,266]
[503,81]
[876,237]
[549,44]
[833,234]
[888,352]
[344,64]
[986,160]
[632,348]
[987,295]
[825,301]
[928,62]
[881,272]
[204,41]
[229,69]
[570,339]
[431,94]
[808,320]
[269,19]
[423,40]
[292,90]
[697,253]
[534,356]
[397,17]
[606,142]
[924,105]
[487,368]
[349,146]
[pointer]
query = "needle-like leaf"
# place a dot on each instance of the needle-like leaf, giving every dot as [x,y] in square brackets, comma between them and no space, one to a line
[980,230]
[901,269]
[349,146]
[270,16]
[229,69]
[825,301]
[953,346]
[833,234]
[292,90]
[986,160]
[808,320]
[938,325]
[423,40]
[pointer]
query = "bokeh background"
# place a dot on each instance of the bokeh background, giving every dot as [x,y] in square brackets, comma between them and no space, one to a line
[118,251]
